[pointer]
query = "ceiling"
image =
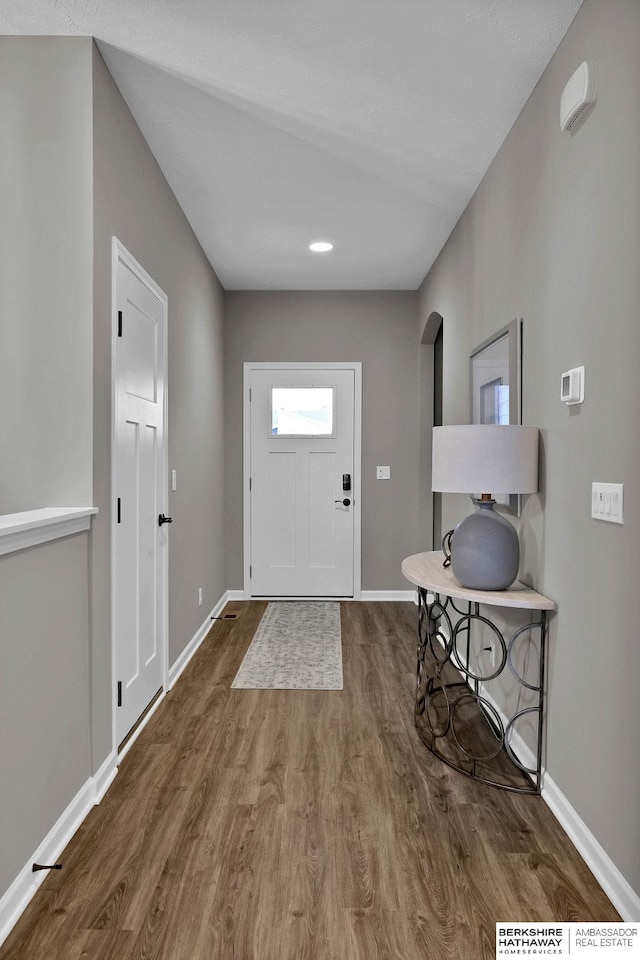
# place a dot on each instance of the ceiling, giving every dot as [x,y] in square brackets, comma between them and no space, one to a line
[368,123]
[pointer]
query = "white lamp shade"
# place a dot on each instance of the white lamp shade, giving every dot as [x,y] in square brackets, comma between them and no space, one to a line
[479,458]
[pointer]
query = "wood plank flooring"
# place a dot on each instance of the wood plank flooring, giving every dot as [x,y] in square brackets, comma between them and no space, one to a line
[294,825]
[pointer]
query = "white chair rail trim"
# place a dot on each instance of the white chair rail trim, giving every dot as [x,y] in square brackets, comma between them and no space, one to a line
[20,530]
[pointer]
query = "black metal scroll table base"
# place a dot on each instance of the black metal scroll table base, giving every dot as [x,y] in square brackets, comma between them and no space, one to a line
[457,715]
[454,715]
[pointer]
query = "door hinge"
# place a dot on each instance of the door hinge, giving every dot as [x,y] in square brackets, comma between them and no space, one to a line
[119,323]
[119,510]
[249,483]
[250,572]
[119,693]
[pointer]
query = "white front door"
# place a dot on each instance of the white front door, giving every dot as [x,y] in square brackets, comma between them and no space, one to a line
[139,543]
[303,479]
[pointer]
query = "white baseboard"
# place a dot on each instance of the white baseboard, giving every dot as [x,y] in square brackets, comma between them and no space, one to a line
[393,595]
[26,884]
[235,595]
[178,667]
[105,776]
[15,900]
[622,895]
[410,596]
[407,596]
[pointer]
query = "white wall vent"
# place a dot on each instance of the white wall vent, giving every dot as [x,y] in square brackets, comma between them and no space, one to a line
[578,96]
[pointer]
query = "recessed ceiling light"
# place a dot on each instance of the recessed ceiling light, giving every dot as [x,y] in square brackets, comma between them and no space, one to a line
[321,246]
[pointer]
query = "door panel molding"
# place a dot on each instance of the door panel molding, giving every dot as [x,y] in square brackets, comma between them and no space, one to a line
[356,368]
[120,257]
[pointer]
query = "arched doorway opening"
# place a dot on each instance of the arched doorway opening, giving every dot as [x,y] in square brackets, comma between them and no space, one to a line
[431,391]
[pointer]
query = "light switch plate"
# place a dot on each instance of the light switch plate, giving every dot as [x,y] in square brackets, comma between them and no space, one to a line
[607,502]
[383,473]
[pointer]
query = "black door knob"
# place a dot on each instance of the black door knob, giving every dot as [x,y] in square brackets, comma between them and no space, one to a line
[345,503]
[162,519]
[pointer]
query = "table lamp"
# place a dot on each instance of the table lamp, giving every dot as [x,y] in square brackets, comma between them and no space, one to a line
[468,458]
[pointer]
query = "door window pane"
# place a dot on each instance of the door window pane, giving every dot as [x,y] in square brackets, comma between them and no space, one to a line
[302,411]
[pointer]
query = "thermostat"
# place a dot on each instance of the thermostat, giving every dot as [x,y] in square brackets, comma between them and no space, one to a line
[572,386]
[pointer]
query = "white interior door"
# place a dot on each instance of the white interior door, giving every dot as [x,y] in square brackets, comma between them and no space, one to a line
[303,473]
[140,543]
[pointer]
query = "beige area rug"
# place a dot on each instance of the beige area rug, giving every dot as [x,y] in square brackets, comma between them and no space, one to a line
[297,646]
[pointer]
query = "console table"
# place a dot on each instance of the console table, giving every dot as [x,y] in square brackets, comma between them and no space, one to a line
[476,682]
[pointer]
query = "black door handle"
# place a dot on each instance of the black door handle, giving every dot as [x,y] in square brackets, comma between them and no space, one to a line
[345,503]
[162,519]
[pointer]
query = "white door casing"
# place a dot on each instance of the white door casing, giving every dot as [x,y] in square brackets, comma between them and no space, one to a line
[300,539]
[139,458]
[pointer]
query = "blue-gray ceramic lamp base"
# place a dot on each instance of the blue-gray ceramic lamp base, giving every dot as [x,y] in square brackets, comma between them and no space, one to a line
[485,553]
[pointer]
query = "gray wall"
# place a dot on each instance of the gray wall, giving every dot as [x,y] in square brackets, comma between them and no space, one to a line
[44,692]
[75,171]
[380,330]
[45,432]
[553,235]
[45,292]
[133,201]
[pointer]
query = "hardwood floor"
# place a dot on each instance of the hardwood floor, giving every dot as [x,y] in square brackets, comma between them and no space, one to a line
[293,825]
